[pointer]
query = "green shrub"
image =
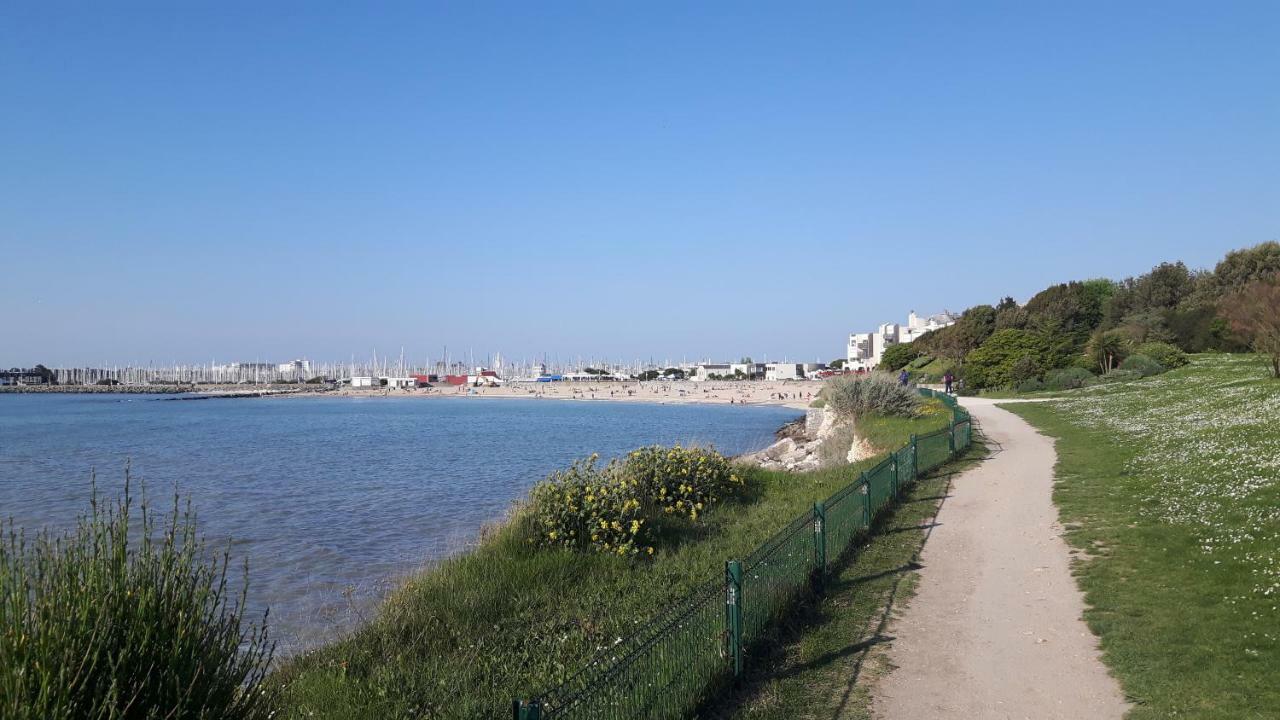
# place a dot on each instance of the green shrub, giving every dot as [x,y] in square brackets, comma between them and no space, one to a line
[1164,353]
[681,481]
[1120,376]
[1024,369]
[586,506]
[854,396]
[1030,385]
[1143,365]
[920,362]
[126,619]
[992,365]
[1084,362]
[1067,378]
[614,509]
[932,371]
[896,357]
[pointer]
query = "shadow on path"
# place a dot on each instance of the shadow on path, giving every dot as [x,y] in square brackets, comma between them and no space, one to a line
[767,659]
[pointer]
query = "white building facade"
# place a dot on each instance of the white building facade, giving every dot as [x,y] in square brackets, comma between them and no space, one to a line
[784,371]
[749,371]
[295,368]
[865,349]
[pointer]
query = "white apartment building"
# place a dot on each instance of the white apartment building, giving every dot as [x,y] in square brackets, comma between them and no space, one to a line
[784,371]
[295,368]
[866,349]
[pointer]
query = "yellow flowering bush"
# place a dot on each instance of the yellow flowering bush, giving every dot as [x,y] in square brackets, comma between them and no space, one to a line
[681,481]
[614,508]
[590,506]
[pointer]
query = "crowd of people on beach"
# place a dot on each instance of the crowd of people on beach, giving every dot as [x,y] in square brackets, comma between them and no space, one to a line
[737,392]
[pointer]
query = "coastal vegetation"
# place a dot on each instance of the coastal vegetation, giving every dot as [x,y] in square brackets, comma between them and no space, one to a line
[628,505]
[515,616]
[1096,325]
[1168,488]
[855,396]
[1254,312]
[896,357]
[127,616]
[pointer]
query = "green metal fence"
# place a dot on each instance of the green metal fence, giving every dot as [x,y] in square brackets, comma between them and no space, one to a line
[663,670]
[688,650]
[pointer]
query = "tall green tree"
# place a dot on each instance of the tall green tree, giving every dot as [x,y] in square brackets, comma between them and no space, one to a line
[1004,357]
[1064,315]
[895,357]
[1241,267]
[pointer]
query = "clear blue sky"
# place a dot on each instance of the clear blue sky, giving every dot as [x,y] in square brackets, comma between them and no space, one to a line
[241,180]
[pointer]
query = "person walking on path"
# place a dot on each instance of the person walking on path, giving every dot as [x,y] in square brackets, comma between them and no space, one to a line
[903,377]
[947,380]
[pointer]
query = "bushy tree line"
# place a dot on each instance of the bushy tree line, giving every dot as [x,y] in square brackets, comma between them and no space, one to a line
[1097,325]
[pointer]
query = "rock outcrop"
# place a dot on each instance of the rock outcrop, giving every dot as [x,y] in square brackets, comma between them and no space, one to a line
[800,444]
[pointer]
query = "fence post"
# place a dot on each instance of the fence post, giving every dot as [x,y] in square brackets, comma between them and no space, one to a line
[951,436]
[915,459]
[526,710]
[866,501]
[894,455]
[820,541]
[733,612]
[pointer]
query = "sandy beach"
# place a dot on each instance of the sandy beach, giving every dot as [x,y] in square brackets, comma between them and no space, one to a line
[786,393]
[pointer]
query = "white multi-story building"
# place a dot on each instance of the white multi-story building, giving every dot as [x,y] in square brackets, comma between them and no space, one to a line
[784,371]
[295,368]
[917,326]
[866,349]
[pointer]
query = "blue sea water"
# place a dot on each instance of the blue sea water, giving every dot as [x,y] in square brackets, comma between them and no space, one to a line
[330,499]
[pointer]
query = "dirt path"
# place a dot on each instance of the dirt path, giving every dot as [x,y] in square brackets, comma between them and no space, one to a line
[995,629]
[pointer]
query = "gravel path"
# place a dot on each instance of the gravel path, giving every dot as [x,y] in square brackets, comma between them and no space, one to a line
[995,629]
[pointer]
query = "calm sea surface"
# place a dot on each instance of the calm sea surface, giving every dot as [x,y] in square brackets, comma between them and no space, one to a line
[331,499]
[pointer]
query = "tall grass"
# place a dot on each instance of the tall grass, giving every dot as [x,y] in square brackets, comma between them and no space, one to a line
[853,396]
[125,617]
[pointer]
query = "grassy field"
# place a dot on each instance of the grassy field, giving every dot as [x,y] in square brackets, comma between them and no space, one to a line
[818,663]
[1170,489]
[507,620]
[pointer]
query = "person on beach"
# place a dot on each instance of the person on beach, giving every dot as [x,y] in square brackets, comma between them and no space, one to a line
[947,380]
[903,377]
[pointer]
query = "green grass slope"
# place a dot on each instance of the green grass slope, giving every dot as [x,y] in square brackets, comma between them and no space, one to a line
[1170,487]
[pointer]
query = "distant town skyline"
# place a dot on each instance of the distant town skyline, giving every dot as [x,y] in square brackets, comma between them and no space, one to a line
[246,182]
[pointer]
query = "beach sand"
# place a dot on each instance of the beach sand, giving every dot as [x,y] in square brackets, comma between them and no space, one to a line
[785,393]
